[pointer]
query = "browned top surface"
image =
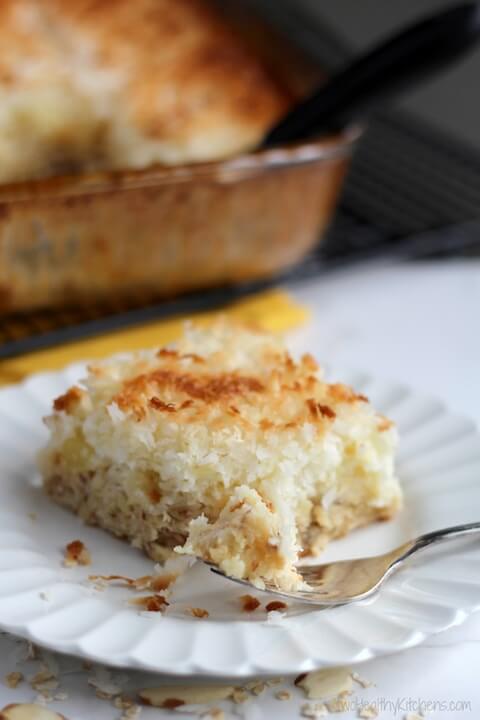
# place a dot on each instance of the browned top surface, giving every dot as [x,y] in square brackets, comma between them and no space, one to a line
[181,68]
[225,377]
[278,394]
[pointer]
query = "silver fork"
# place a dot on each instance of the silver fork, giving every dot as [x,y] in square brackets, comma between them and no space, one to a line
[347,581]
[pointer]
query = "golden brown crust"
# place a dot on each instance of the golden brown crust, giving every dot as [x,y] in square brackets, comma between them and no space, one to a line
[206,388]
[173,72]
[281,400]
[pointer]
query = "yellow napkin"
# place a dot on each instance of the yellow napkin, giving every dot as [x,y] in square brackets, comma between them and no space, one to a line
[272,310]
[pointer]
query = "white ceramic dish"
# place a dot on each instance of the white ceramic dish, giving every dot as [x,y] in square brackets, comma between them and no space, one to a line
[439,465]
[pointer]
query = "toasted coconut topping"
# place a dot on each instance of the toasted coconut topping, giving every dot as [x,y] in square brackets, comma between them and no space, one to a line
[198,612]
[13,679]
[270,385]
[151,603]
[342,393]
[158,404]
[318,410]
[265,388]
[68,400]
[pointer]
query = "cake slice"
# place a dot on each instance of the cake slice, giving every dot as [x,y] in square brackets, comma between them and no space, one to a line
[221,446]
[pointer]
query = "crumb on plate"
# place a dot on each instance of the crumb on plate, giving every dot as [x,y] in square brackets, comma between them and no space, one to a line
[198,612]
[76,553]
[249,603]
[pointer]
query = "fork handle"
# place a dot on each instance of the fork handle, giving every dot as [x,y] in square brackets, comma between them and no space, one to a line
[438,536]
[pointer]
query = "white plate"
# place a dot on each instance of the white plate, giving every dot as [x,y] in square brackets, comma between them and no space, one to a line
[439,466]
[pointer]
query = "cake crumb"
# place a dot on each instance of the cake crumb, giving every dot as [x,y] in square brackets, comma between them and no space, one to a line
[274,681]
[256,687]
[13,679]
[314,711]
[214,714]
[249,603]
[44,680]
[338,705]
[239,695]
[151,603]
[368,711]
[76,553]
[283,695]
[275,606]
[198,612]
[361,681]
[414,716]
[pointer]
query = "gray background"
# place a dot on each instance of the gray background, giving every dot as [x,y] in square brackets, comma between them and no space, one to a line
[452,101]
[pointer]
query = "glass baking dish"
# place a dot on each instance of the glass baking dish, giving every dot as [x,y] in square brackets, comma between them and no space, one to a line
[166,230]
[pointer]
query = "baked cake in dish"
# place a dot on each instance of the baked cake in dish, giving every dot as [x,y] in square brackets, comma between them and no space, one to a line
[224,447]
[88,85]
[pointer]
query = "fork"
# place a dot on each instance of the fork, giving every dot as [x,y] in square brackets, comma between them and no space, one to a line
[348,581]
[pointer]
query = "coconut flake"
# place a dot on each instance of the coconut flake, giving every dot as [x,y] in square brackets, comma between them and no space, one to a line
[314,711]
